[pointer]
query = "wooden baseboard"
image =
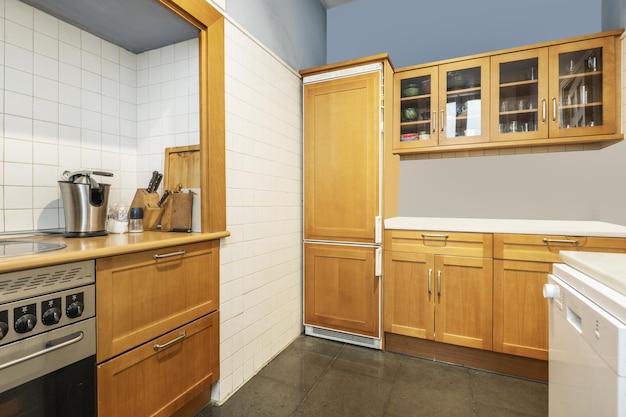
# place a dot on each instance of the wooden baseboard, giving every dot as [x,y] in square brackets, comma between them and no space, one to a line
[518,366]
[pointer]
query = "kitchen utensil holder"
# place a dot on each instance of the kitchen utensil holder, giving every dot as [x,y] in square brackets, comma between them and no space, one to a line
[177,213]
[151,211]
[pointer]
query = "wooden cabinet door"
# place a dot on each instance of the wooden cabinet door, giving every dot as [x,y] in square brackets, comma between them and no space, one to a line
[161,376]
[416,116]
[520,312]
[143,295]
[582,88]
[463,309]
[464,102]
[341,290]
[408,294]
[519,95]
[341,158]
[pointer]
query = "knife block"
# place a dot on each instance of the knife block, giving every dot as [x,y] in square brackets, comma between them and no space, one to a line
[177,213]
[151,210]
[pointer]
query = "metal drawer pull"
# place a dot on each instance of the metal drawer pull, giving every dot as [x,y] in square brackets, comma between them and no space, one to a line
[430,277]
[439,283]
[167,255]
[434,235]
[50,347]
[441,121]
[158,347]
[546,240]
[544,111]
[553,109]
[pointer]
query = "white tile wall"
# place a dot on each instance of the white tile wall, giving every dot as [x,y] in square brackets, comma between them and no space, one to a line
[73,101]
[261,262]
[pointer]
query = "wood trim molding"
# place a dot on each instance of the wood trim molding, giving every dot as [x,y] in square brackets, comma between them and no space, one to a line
[210,24]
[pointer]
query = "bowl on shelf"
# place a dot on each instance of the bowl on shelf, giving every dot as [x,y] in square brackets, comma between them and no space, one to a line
[425,115]
[409,114]
[426,86]
[410,90]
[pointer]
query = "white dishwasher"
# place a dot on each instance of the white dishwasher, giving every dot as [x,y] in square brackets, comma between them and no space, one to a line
[587,339]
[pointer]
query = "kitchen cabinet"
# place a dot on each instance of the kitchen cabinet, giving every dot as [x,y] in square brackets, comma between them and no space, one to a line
[438,286]
[341,288]
[165,297]
[521,267]
[160,376]
[554,93]
[443,105]
[344,147]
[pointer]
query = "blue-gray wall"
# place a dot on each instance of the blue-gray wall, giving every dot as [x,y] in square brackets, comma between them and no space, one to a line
[295,30]
[414,32]
[569,185]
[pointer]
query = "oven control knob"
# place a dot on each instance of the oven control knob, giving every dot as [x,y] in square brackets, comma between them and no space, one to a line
[25,323]
[51,316]
[75,309]
[4,329]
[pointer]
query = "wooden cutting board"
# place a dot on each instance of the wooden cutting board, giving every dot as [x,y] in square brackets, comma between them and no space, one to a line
[182,166]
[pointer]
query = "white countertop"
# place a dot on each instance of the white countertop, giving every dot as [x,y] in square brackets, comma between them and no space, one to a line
[533,227]
[608,268]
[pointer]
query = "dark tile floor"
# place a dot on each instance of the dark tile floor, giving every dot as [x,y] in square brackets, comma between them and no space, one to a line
[320,378]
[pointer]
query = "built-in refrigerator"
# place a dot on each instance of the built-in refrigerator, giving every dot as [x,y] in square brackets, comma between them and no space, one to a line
[343,195]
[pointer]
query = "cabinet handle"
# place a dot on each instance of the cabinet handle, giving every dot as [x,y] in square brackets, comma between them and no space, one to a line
[430,277]
[544,110]
[158,347]
[167,255]
[572,241]
[434,235]
[439,283]
[442,120]
[48,348]
[553,109]
[434,118]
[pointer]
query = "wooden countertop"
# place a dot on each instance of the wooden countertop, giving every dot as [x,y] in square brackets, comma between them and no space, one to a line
[515,226]
[80,249]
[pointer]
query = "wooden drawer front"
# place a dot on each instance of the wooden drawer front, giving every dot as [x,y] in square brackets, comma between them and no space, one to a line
[545,248]
[442,243]
[139,298]
[149,382]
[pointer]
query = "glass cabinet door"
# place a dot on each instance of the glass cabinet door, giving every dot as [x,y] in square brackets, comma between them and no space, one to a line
[417,90]
[582,93]
[464,102]
[519,95]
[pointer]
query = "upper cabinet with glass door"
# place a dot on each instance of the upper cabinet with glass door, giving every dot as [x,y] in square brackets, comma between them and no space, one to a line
[520,95]
[582,88]
[418,110]
[555,93]
[464,102]
[442,105]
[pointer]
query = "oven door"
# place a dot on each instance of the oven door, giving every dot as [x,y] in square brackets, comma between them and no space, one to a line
[51,374]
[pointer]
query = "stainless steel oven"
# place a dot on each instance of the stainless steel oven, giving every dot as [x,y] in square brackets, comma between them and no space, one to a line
[48,341]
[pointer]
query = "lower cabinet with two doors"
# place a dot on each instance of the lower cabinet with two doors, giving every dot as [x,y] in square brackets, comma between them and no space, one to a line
[476,290]
[157,329]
